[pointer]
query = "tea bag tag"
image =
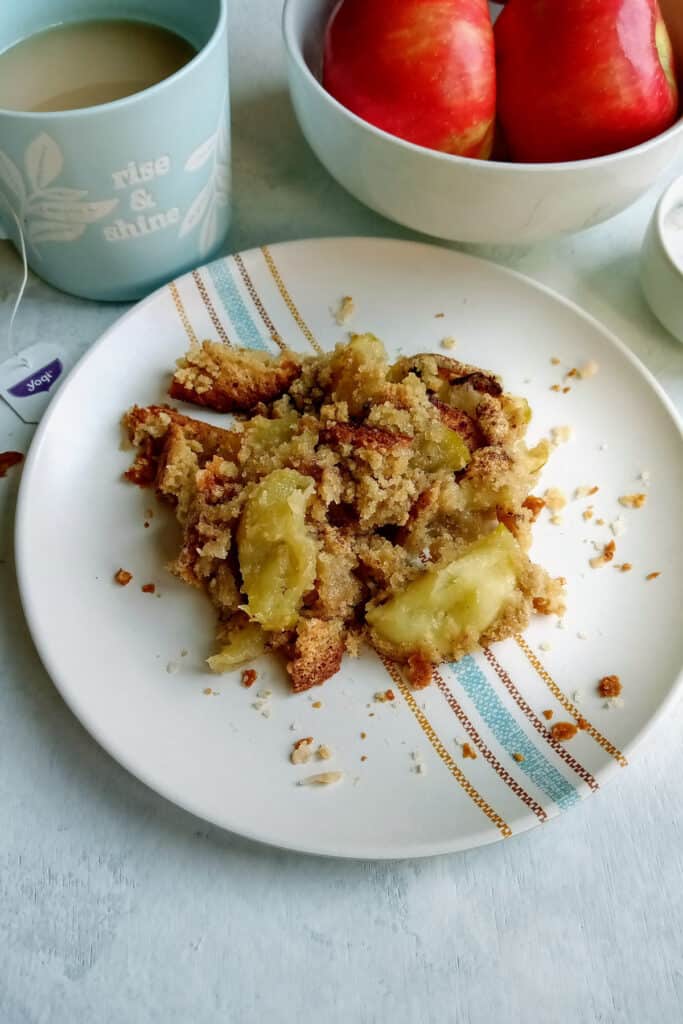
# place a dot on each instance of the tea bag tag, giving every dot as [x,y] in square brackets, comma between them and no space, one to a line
[29,378]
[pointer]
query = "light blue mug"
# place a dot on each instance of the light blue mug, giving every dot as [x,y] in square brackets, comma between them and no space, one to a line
[115,200]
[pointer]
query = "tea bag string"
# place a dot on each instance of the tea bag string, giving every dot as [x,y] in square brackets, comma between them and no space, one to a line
[21,359]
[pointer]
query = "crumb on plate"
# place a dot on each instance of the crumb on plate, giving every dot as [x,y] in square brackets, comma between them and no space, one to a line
[633,500]
[148,588]
[609,686]
[123,577]
[563,731]
[322,779]
[345,310]
[605,557]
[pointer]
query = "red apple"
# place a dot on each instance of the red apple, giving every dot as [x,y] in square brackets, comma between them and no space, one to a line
[582,78]
[423,70]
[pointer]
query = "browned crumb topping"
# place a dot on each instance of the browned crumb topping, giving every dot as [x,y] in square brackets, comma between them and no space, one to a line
[420,671]
[519,758]
[8,460]
[232,380]
[563,731]
[633,500]
[148,588]
[609,686]
[249,677]
[123,577]
[468,751]
[548,714]
[606,557]
[304,522]
[653,575]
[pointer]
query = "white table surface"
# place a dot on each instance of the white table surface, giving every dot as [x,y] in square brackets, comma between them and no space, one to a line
[117,907]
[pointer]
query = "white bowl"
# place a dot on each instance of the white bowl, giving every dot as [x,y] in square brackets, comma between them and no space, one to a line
[661,266]
[448,196]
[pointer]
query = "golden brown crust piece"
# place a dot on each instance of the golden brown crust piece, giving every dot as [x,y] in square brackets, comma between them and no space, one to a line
[150,430]
[232,380]
[317,655]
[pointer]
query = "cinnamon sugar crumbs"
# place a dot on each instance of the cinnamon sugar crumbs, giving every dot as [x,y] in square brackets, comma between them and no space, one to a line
[633,500]
[606,557]
[653,575]
[609,686]
[249,677]
[148,588]
[519,758]
[468,751]
[563,731]
[548,714]
[123,577]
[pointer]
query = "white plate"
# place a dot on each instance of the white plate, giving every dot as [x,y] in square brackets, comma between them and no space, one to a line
[108,648]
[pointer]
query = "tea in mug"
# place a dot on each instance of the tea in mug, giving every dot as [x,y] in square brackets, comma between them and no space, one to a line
[87,63]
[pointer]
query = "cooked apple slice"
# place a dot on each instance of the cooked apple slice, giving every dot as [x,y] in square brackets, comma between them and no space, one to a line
[277,551]
[449,607]
[244,644]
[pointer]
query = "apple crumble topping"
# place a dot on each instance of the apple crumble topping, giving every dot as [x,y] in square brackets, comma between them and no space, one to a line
[352,500]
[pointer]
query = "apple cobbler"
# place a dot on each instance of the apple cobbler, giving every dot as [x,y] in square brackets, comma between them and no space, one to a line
[349,499]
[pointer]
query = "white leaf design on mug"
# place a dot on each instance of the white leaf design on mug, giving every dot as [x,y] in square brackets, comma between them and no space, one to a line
[197,210]
[215,194]
[201,154]
[71,212]
[49,231]
[10,175]
[49,213]
[44,161]
[209,229]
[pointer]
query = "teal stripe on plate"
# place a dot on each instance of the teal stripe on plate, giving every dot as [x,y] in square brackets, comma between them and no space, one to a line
[509,734]
[236,308]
